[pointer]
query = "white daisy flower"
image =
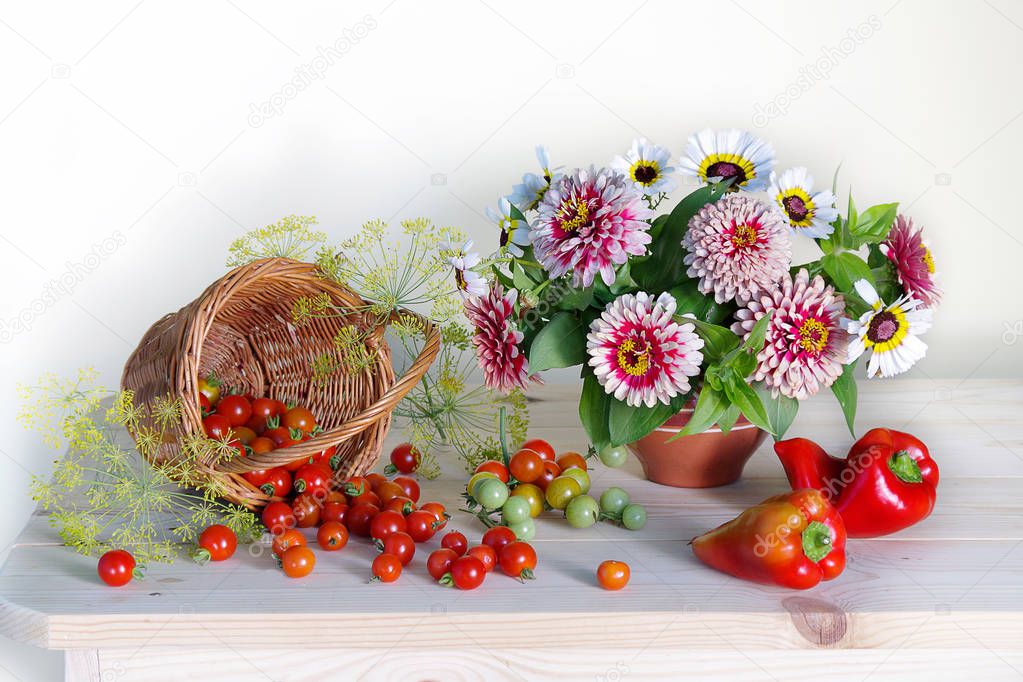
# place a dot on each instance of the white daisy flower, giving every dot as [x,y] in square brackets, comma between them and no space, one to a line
[469,282]
[527,195]
[807,213]
[514,232]
[713,156]
[647,166]
[889,331]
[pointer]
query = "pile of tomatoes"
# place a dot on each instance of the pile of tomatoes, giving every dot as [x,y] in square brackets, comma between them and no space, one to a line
[536,479]
[456,564]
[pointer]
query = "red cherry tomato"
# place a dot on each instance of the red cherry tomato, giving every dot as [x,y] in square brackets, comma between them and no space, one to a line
[218,541]
[286,539]
[204,405]
[467,573]
[386,568]
[324,458]
[386,523]
[235,409]
[359,517]
[517,559]
[375,480]
[367,498]
[400,545]
[217,426]
[332,536]
[116,567]
[278,517]
[388,490]
[262,410]
[409,486]
[258,477]
[357,485]
[540,447]
[333,511]
[420,525]
[261,445]
[497,537]
[494,467]
[299,418]
[277,483]
[486,555]
[438,510]
[439,562]
[312,479]
[455,541]
[551,470]
[405,458]
[526,466]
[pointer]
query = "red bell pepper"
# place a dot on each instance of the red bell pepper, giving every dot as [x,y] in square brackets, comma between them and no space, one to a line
[795,540]
[887,482]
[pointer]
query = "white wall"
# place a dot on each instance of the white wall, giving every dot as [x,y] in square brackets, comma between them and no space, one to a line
[132,122]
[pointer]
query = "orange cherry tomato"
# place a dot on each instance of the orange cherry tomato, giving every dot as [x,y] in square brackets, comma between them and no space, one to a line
[287,539]
[540,447]
[613,575]
[438,510]
[306,509]
[486,555]
[298,562]
[409,486]
[389,490]
[261,445]
[572,459]
[375,480]
[494,467]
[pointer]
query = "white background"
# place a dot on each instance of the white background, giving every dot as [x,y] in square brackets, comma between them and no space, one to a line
[131,122]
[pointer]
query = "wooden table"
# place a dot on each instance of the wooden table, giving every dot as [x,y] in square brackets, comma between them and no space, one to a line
[944,598]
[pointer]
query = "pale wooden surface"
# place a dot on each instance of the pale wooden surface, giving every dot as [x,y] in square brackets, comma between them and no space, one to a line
[946,594]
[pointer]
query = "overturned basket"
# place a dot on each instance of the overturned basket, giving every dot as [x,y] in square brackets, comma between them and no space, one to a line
[241,329]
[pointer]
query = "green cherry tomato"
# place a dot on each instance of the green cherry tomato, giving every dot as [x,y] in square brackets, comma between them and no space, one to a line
[476,479]
[561,490]
[634,516]
[613,456]
[613,500]
[582,511]
[525,530]
[580,476]
[491,493]
[515,510]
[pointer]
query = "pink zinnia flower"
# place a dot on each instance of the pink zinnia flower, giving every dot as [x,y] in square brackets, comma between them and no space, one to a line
[590,221]
[737,247]
[914,265]
[805,346]
[496,340]
[638,352]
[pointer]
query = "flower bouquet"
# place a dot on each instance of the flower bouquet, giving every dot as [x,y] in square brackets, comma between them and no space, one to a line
[700,303]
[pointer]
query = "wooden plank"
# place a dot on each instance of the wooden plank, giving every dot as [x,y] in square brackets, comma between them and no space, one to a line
[491,663]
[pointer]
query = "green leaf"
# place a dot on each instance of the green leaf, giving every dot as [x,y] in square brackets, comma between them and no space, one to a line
[844,389]
[594,410]
[623,284]
[561,343]
[727,420]
[755,341]
[743,395]
[710,407]
[845,268]
[504,279]
[689,299]
[717,341]
[628,424]
[663,267]
[576,299]
[781,412]
[873,224]
[520,279]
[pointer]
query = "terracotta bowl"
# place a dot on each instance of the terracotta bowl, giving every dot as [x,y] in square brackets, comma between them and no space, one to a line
[702,460]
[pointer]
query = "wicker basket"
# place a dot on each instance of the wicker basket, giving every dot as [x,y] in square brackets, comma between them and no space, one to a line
[241,329]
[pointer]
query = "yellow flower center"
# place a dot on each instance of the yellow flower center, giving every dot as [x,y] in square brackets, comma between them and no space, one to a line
[632,360]
[645,172]
[928,260]
[582,216]
[813,335]
[743,236]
